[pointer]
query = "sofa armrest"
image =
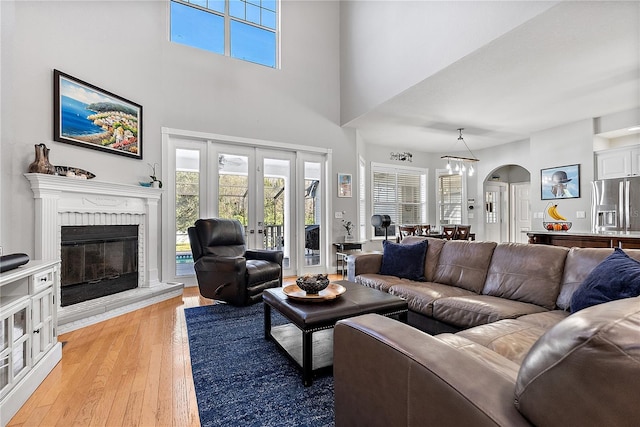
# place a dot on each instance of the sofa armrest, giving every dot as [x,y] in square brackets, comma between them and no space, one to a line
[388,373]
[363,263]
[264,255]
[218,276]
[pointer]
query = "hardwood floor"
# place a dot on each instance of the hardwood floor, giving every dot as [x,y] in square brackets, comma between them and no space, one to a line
[131,370]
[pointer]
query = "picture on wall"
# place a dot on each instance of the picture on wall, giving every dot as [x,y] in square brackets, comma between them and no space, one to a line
[344,185]
[88,116]
[561,182]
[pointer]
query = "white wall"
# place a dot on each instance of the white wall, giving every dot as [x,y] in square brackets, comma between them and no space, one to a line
[624,141]
[123,47]
[569,144]
[390,46]
[617,121]
[563,145]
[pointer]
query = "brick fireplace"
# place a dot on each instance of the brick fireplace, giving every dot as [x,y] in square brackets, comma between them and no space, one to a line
[70,202]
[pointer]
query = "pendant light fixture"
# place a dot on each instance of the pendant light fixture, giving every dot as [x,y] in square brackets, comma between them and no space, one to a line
[460,163]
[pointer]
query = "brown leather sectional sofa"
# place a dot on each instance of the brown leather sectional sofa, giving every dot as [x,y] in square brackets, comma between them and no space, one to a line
[511,353]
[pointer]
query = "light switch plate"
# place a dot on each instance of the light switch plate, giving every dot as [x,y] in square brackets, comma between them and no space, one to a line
[338,214]
[581,214]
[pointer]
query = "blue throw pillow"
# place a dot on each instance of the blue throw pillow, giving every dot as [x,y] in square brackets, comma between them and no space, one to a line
[616,277]
[406,261]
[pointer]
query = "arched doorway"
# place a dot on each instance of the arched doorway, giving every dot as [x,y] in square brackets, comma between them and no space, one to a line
[507,207]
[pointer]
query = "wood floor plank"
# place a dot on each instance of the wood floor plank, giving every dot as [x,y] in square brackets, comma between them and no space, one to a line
[132,370]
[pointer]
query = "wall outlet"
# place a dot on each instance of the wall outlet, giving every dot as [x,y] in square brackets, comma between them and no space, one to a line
[338,214]
[581,214]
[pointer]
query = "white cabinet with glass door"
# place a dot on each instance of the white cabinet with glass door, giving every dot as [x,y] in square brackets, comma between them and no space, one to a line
[15,344]
[29,348]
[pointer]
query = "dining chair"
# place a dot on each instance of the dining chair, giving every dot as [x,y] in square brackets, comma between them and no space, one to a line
[462,232]
[407,230]
[423,229]
[449,231]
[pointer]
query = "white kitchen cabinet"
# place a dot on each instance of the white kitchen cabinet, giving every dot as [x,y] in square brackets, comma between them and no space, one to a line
[618,162]
[29,347]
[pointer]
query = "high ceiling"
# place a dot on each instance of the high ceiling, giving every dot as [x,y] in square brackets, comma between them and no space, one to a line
[565,65]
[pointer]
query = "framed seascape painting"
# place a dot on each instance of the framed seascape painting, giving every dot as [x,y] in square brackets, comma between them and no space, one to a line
[87,116]
[561,182]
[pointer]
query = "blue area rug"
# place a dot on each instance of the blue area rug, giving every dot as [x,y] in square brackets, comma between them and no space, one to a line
[242,379]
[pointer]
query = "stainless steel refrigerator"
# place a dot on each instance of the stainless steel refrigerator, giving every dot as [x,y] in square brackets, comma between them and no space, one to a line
[615,204]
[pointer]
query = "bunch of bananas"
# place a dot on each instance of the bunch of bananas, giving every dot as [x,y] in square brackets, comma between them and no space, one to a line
[553,213]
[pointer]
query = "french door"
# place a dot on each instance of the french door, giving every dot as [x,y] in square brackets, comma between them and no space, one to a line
[255,186]
[277,195]
[496,212]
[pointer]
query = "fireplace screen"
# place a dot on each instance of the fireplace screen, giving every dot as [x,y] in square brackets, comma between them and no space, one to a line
[98,260]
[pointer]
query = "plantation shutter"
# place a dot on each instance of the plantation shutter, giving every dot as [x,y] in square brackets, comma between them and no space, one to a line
[401,194]
[450,189]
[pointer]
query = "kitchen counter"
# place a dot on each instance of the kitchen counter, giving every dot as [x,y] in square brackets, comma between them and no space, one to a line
[609,239]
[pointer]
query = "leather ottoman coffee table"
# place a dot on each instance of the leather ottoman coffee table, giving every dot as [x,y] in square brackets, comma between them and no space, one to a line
[308,339]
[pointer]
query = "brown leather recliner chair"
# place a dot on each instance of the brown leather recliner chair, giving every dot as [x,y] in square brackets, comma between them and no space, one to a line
[226,270]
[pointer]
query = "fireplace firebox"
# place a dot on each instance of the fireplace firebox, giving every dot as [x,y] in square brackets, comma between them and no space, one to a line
[97,260]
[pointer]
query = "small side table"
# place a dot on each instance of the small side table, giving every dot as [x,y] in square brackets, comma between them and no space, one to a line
[342,254]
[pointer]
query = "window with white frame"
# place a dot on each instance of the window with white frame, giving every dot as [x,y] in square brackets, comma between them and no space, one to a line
[450,196]
[400,193]
[243,29]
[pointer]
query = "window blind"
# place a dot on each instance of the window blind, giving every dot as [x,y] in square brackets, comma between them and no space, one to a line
[401,194]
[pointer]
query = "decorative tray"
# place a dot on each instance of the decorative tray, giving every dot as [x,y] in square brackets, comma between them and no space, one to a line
[75,172]
[329,293]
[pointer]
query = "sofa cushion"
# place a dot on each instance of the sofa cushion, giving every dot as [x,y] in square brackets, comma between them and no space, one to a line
[379,281]
[433,253]
[616,277]
[585,369]
[493,360]
[527,273]
[474,310]
[546,319]
[511,338]
[464,264]
[578,265]
[404,261]
[421,295]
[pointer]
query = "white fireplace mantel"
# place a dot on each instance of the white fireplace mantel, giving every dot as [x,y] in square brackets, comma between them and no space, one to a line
[58,194]
[63,201]
[55,195]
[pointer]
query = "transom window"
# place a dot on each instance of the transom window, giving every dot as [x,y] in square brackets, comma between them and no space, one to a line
[243,29]
[400,193]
